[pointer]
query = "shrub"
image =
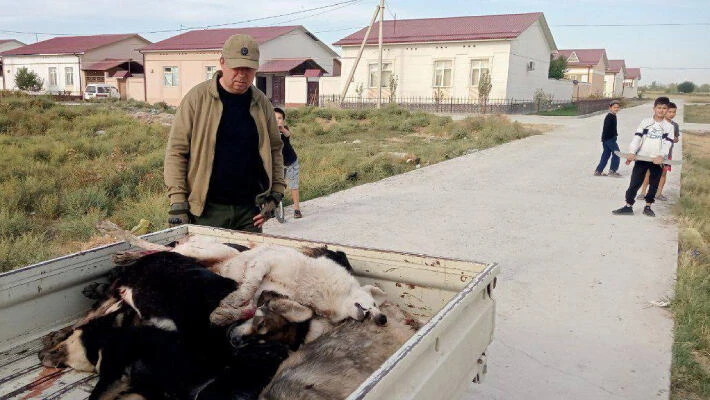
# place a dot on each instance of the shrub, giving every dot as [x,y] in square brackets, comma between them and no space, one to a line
[686,87]
[28,80]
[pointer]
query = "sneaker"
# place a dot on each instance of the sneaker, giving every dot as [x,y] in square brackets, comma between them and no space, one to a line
[647,211]
[597,173]
[614,174]
[297,214]
[641,196]
[661,197]
[625,210]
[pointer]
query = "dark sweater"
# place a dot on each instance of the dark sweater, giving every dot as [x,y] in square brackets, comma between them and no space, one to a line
[288,152]
[237,170]
[609,131]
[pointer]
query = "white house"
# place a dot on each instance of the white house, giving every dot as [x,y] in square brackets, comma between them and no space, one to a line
[631,82]
[5,45]
[173,66]
[614,78]
[587,67]
[447,56]
[60,62]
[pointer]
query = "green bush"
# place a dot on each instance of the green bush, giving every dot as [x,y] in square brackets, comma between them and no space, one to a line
[28,80]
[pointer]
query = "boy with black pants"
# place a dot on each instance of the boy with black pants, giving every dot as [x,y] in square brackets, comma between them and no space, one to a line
[609,134]
[652,139]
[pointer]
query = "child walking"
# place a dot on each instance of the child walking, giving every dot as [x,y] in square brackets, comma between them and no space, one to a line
[652,139]
[290,160]
[609,134]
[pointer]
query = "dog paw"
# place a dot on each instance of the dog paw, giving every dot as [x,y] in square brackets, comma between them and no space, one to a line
[222,316]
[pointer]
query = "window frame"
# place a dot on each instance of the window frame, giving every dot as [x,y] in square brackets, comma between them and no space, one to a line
[387,68]
[174,74]
[435,71]
[52,76]
[480,70]
[208,74]
[68,76]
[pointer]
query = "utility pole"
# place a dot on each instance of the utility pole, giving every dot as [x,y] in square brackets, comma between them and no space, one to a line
[379,80]
[359,55]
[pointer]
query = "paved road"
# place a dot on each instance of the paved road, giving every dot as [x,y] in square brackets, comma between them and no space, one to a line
[573,318]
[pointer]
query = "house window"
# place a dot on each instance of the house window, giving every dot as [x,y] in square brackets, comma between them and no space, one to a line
[52,76]
[386,74]
[478,68]
[68,76]
[442,73]
[584,78]
[170,76]
[209,71]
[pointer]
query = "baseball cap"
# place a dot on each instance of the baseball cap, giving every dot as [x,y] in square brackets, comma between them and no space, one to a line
[241,51]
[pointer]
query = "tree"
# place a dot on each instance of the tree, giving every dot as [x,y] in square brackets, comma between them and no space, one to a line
[557,68]
[28,80]
[686,87]
[705,88]
[484,87]
[394,80]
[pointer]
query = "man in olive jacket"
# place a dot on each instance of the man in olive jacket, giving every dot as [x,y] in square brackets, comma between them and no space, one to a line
[223,163]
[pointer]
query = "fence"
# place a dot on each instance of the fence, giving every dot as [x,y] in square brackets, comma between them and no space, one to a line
[466,105]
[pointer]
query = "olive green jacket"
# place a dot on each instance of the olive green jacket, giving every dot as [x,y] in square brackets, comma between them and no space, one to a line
[190,151]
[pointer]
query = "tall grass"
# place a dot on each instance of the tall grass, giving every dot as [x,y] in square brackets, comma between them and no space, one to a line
[697,113]
[62,168]
[690,371]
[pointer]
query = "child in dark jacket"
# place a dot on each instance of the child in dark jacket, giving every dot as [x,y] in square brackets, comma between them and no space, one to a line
[290,160]
[609,135]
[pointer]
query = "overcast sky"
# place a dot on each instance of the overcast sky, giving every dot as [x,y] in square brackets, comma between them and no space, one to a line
[665,53]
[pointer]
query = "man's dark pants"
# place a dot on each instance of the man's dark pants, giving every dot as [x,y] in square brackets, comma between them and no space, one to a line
[637,176]
[610,146]
[236,217]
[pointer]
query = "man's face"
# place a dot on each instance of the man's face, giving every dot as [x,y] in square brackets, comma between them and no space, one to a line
[670,114]
[279,119]
[236,80]
[660,110]
[614,108]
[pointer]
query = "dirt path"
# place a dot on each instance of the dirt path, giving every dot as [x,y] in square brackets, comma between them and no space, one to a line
[573,319]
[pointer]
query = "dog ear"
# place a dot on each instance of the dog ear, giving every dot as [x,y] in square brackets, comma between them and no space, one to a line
[291,310]
[376,293]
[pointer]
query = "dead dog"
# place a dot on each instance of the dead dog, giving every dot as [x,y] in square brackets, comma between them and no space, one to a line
[318,283]
[334,365]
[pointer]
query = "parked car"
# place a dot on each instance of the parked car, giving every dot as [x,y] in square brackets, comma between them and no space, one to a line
[100,91]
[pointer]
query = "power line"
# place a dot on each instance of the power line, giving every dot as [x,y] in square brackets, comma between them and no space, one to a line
[341,3]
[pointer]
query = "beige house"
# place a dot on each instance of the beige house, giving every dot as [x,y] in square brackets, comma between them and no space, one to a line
[62,62]
[631,82]
[445,58]
[5,45]
[614,78]
[175,65]
[586,66]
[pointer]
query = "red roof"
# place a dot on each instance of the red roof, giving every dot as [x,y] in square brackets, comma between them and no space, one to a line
[213,39]
[445,29]
[313,73]
[615,66]
[633,73]
[279,65]
[587,57]
[104,65]
[121,74]
[69,44]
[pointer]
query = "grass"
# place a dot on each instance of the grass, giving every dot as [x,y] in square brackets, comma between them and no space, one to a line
[699,113]
[690,370]
[63,167]
[566,110]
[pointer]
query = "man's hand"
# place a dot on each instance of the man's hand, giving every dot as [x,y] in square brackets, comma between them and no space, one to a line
[268,208]
[658,160]
[676,139]
[631,157]
[179,214]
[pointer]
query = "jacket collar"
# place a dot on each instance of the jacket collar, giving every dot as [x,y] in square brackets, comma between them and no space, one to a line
[215,93]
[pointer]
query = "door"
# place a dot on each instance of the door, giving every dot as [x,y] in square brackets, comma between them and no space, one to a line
[261,83]
[279,90]
[122,88]
[312,99]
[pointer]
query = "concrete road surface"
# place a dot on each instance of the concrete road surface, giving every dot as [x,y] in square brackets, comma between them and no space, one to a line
[574,319]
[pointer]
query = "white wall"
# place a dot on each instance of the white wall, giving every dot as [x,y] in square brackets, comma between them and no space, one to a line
[40,65]
[297,44]
[331,85]
[296,91]
[413,64]
[613,84]
[532,45]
